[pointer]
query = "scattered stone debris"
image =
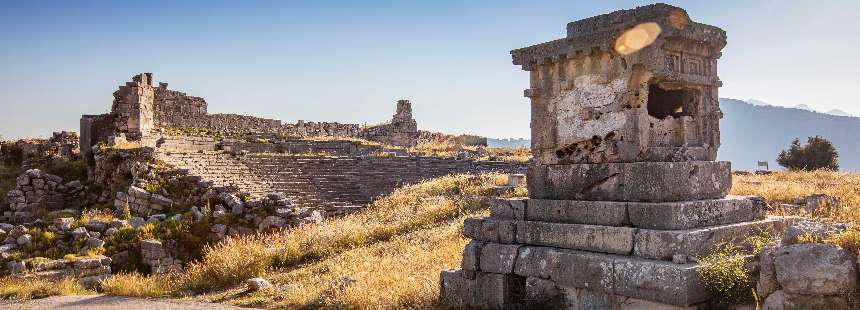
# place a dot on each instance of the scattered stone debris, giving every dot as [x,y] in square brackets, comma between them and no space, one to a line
[258,284]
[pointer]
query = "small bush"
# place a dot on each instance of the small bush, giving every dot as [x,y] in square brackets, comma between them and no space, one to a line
[849,240]
[726,277]
[818,153]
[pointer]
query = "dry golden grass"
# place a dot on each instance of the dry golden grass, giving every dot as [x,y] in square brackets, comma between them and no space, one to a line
[400,273]
[518,154]
[419,207]
[784,187]
[15,288]
[138,285]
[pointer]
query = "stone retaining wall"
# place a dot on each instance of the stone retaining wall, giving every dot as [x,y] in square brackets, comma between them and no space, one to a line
[324,181]
[88,270]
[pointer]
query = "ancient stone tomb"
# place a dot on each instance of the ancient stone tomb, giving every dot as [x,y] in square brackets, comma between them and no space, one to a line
[625,194]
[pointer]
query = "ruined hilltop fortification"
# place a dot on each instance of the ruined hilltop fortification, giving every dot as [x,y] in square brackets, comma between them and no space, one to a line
[624,192]
[318,164]
[141,111]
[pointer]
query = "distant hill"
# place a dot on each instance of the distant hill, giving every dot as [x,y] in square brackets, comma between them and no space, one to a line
[757,132]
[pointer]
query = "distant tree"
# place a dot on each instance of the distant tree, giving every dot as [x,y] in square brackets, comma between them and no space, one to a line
[818,153]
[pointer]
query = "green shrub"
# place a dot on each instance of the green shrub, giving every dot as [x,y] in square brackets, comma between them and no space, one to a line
[726,277]
[818,153]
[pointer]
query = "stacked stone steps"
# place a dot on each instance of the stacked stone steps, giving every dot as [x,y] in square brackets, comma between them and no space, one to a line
[221,169]
[314,181]
[611,245]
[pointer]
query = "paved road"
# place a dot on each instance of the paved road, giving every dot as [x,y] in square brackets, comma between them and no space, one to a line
[101,302]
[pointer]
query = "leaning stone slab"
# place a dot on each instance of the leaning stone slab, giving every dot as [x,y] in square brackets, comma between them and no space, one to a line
[699,242]
[606,213]
[595,238]
[696,213]
[639,181]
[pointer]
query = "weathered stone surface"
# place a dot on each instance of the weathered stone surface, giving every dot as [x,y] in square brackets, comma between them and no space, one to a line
[456,290]
[767,282]
[577,212]
[606,239]
[472,256]
[698,242]
[498,258]
[508,208]
[658,281]
[490,230]
[696,213]
[816,230]
[644,181]
[815,269]
[543,294]
[258,284]
[664,282]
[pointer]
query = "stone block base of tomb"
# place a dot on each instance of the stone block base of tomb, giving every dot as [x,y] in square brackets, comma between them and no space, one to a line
[572,254]
[638,181]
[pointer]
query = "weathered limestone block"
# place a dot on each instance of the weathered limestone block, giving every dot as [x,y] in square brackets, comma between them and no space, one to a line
[606,239]
[767,282]
[815,269]
[508,208]
[606,213]
[486,290]
[498,258]
[644,181]
[699,242]
[490,230]
[664,282]
[696,213]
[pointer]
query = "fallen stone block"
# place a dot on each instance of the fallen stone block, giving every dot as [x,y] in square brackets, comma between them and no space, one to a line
[815,269]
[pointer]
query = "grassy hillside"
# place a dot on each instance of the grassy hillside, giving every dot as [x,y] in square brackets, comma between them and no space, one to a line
[390,255]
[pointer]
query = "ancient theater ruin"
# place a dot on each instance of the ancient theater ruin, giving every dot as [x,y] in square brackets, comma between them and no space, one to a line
[624,192]
[318,164]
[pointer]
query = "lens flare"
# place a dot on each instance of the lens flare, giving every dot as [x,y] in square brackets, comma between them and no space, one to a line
[637,38]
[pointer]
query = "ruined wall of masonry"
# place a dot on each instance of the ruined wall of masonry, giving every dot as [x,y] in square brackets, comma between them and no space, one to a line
[401,131]
[140,110]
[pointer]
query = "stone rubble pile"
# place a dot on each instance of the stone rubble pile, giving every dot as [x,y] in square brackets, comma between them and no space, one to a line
[807,276]
[36,192]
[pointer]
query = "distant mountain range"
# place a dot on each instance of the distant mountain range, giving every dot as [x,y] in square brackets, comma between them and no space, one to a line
[753,131]
[836,112]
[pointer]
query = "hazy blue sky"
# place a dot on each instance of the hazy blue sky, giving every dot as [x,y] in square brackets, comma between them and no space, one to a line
[349,61]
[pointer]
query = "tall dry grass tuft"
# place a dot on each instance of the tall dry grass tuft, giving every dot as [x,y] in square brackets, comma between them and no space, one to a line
[32,288]
[138,285]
